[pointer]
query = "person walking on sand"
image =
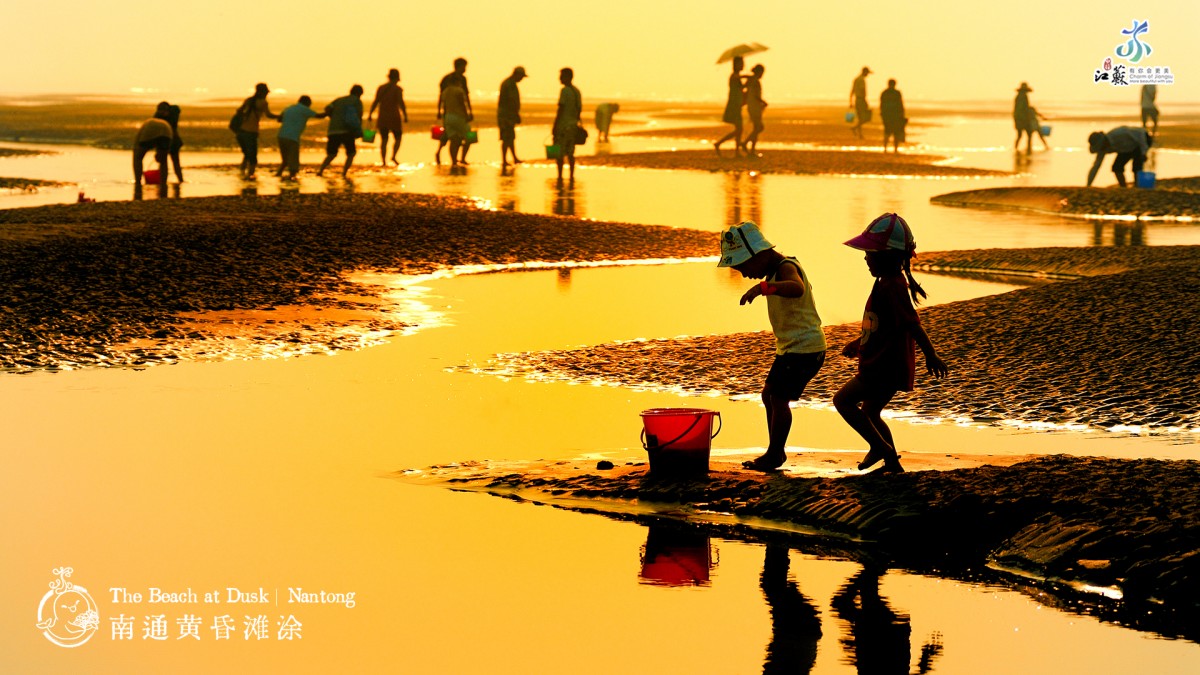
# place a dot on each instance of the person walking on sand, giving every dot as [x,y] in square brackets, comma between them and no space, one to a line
[755,105]
[154,134]
[292,122]
[1149,108]
[252,110]
[792,310]
[1035,127]
[733,108]
[1130,144]
[858,101]
[508,115]
[389,99]
[891,111]
[345,127]
[566,121]
[457,75]
[604,117]
[890,327]
[1021,117]
[457,127]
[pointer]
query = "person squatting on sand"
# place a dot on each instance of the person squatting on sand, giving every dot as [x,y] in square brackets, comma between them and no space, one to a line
[1130,143]
[252,110]
[154,134]
[890,326]
[345,127]
[799,341]
[292,122]
[389,99]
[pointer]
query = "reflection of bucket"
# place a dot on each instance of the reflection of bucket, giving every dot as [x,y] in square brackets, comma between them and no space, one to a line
[151,176]
[437,132]
[1145,179]
[849,117]
[678,439]
[1045,129]
[368,135]
[676,558]
[553,151]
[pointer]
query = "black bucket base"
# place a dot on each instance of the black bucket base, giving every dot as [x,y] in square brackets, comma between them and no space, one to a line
[671,462]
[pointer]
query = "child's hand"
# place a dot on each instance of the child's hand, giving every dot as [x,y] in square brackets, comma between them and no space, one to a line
[749,296]
[851,349]
[936,366]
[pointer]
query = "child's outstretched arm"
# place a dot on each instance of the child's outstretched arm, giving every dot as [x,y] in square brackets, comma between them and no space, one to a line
[933,363]
[788,284]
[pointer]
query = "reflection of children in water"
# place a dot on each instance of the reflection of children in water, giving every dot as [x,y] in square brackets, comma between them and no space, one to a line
[795,622]
[879,637]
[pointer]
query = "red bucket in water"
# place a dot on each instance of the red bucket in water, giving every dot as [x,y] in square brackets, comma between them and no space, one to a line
[678,439]
[151,176]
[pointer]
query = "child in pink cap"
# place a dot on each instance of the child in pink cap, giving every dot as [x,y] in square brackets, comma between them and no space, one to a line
[885,350]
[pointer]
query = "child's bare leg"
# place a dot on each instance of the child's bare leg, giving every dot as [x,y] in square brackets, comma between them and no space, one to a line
[779,425]
[872,408]
[847,401]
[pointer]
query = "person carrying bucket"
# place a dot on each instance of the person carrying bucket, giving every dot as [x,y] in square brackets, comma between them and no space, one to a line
[792,310]
[885,350]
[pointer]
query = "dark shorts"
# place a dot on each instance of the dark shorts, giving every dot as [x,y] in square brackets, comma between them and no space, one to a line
[790,373]
[508,132]
[341,141]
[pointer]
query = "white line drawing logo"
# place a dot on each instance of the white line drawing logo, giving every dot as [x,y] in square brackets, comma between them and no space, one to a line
[67,614]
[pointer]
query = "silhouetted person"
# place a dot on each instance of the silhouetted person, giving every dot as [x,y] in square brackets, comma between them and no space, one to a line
[1130,144]
[733,108]
[154,134]
[253,110]
[566,121]
[891,112]
[755,105]
[172,116]
[858,101]
[604,116]
[345,127]
[1021,117]
[1149,108]
[795,622]
[292,122]
[459,75]
[455,114]
[389,98]
[1035,127]
[508,115]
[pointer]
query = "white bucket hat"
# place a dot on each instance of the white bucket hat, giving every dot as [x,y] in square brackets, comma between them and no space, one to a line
[740,242]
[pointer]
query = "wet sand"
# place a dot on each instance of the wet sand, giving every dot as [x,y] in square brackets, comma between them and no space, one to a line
[85,282]
[1172,198]
[1112,346]
[855,163]
[28,184]
[1065,519]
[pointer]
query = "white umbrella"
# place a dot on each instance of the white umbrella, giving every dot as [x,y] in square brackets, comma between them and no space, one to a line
[744,49]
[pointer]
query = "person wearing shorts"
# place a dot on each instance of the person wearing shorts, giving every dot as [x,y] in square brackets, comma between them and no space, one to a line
[508,115]
[389,99]
[154,134]
[799,340]
[345,127]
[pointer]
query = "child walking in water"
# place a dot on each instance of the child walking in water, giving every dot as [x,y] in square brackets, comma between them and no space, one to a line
[799,341]
[885,350]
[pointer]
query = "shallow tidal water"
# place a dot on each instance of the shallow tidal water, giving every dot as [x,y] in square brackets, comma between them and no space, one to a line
[273,474]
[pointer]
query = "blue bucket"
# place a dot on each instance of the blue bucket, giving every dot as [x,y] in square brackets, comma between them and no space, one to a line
[1145,180]
[1045,129]
[849,117]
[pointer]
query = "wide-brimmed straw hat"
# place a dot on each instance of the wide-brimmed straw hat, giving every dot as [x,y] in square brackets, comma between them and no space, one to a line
[740,242]
[1024,87]
[888,231]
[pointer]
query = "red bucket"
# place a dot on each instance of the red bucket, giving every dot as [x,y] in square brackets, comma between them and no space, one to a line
[151,176]
[678,440]
[437,132]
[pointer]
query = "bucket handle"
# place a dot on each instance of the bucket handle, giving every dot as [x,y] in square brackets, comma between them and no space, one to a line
[685,432]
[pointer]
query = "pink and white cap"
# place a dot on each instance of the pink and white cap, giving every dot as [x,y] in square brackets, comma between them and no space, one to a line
[888,231]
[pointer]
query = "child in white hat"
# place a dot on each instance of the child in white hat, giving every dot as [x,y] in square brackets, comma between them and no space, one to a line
[885,350]
[799,340]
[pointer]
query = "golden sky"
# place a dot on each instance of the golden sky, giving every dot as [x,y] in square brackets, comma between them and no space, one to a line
[620,49]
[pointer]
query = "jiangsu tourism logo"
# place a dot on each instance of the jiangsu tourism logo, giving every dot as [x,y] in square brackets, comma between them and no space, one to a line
[67,614]
[1134,49]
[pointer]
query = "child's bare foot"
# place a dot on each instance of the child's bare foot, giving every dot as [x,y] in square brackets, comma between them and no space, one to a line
[766,463]
[890,466]
[873,457]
